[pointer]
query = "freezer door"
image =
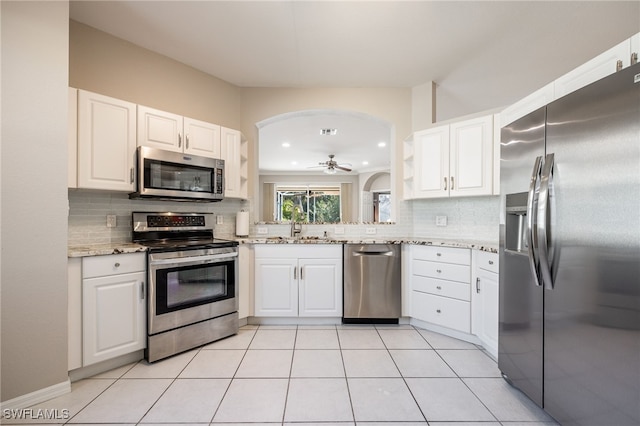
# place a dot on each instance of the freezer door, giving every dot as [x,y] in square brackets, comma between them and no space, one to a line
[592,307]
[521,310]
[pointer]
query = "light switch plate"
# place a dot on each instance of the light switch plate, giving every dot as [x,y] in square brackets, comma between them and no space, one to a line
[219,219]
[111,221]
[441,221]
[370,231]
[262,230]
[339,230]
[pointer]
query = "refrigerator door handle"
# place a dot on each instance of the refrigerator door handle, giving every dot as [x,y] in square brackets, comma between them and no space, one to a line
[546,186]
[532,204]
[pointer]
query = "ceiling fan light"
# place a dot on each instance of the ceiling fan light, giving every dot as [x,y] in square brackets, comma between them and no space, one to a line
[330,171]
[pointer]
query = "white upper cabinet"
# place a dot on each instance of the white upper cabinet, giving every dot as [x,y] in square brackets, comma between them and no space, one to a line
[454,160]
[234,153]
[201,138]
[471,161]
[106,142]
[172,132]
[601,66]
[619,56]
[431,162]
[72,139]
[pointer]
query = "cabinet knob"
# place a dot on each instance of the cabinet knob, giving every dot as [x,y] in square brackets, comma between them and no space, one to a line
[438,254]
[439,287]
[117,265]
[439,271]
[491,262]
[438,311]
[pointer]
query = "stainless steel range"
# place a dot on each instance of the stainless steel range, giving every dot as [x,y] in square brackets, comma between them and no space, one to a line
[192,291]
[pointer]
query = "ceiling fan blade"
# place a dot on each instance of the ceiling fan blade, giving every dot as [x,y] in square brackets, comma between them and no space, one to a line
[343,168]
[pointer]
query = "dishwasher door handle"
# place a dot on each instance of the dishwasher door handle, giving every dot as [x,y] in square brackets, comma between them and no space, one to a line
[372,253]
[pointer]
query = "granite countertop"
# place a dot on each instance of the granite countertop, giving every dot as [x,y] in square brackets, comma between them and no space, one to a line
[103,249]
[478,245]
[119,248]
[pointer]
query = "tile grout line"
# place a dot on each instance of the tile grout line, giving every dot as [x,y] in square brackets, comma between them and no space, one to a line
[233,376]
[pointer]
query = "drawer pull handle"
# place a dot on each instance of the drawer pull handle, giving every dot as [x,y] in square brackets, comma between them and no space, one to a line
[478,285]
[117,265]
[439,287]
[438,311]
[491,262]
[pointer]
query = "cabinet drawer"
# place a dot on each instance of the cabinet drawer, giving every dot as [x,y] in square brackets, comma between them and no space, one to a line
[459,256]
[442,271]
[451,289]
[488,261]
[299,251]
[443,311]
[98,266]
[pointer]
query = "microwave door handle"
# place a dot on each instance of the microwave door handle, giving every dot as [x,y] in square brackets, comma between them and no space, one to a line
[202,259]
[531,222]
[546,185]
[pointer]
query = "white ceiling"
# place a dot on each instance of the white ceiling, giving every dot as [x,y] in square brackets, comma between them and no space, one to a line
[481,54]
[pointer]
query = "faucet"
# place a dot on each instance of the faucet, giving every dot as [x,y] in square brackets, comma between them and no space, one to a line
[296,228]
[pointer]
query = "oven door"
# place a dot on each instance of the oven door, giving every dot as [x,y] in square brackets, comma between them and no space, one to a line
[190,286]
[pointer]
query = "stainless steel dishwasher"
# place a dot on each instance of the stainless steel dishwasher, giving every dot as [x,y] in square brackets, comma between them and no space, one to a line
[372,283]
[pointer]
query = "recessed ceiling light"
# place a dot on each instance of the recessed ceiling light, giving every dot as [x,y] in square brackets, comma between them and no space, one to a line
[382,144]
[364,163]
[294,163]
[330,132]
[286,144]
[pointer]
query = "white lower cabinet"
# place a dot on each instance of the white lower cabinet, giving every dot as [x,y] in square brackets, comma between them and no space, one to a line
[113,306]
[298,281]
[440,286]
[485,299]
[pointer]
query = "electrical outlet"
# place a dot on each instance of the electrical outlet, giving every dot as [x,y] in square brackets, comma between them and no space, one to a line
[111,221]
[370,231]
[441,221]
[338,230]
[262,230]
[219,220]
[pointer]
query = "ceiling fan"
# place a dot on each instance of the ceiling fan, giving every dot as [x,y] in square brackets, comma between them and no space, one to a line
[331,166]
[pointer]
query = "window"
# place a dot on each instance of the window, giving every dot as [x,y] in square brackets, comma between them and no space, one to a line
[309,203]
[382,206]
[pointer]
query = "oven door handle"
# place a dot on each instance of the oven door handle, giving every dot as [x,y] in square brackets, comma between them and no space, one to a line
[200,259]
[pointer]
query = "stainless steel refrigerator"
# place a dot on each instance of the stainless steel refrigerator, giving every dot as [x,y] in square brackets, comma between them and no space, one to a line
[569,334]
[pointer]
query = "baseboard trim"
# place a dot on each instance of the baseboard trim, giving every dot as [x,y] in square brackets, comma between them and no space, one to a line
[37,397]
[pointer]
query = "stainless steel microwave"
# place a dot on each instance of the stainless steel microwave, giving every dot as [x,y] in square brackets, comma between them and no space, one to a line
[178,176]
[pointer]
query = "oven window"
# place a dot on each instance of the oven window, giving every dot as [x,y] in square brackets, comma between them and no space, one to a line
[184,287]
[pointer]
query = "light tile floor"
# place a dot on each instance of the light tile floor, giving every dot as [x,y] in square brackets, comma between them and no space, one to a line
[346,375]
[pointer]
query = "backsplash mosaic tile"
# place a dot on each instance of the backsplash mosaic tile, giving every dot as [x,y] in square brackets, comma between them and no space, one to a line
[473,218]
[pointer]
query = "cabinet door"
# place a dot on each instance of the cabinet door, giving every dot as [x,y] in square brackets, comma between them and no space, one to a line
[471,161]
[159,129]
[230,152]
[593,70]
[320,287]
[431,163]
[485,309]
[106,142]
[276,289]
[72,139]
[201,138]
[113,317]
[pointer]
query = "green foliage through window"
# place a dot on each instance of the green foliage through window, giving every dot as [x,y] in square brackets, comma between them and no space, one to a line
[308,204]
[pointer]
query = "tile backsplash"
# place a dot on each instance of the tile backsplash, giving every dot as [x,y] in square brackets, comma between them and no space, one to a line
[88,212]
[474,218]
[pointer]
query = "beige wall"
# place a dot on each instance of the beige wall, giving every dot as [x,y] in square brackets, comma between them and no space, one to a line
[34,197]
[111,66]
